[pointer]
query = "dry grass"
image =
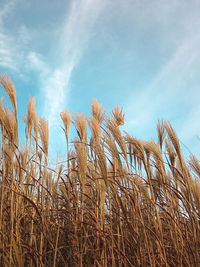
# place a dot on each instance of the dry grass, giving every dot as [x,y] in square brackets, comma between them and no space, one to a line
[118,201]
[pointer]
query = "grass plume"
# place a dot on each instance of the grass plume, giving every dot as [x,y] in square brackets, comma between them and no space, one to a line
[119,201]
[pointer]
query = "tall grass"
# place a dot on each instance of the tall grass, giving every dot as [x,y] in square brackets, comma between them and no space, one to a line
[117,201]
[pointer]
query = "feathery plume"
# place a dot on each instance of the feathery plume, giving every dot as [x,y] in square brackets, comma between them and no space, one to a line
[194,163]
[10,90]
[35,124]
[81,126]
[44,135]
[97,112]
[95,127]
[118,116]
[66,117]
[161,132]
[30,107]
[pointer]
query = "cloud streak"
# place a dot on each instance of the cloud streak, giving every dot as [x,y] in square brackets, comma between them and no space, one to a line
[54,67]
[75,34]
[172,91]
[6,52]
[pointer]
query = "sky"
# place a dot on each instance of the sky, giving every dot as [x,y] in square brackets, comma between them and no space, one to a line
[142,55]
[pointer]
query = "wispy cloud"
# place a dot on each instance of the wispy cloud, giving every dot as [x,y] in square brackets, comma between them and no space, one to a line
[6,52]
[170,93]
[75,34]
[38,64]
[5,9]
[53,69]
[14,44]
[78,26]
[56,92]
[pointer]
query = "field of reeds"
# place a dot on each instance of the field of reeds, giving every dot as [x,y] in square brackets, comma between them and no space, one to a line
[116,200]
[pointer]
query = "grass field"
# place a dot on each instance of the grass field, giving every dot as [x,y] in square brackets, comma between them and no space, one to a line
[116,201]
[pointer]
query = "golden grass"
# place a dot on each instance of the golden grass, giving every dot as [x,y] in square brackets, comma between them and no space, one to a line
[66,118]
[118,201]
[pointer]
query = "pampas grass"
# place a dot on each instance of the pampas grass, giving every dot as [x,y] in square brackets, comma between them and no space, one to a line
[119,201]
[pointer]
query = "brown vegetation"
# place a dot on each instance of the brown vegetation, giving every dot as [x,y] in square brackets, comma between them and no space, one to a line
[117,201]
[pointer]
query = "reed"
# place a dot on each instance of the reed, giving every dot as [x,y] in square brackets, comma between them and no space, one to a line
[119,201]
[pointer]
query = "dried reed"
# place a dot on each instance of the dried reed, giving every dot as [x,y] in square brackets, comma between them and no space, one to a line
[119,201]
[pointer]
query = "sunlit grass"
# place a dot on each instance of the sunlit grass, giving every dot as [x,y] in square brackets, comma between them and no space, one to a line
[116,201]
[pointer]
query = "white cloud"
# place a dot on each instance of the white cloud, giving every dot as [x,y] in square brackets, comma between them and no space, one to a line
[12,45]
[37,63]
[56,92]
[6,53]
[75,35]
[6,9]
[78,26]
[54,78]
[24,35]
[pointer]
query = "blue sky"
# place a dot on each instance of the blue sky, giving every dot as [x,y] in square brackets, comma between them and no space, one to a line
[142,55]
